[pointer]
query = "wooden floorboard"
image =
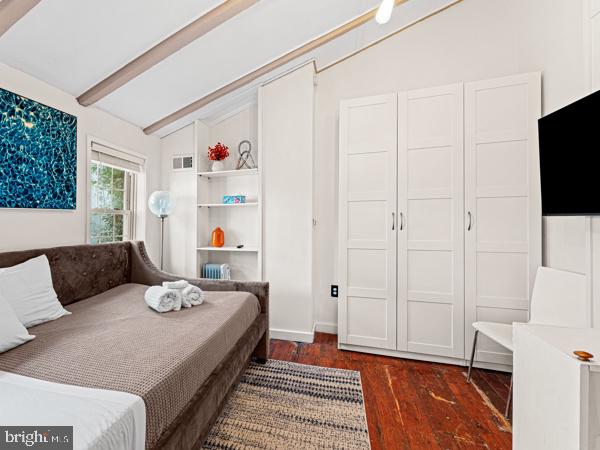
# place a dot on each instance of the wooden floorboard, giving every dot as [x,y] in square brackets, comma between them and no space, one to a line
[416,405]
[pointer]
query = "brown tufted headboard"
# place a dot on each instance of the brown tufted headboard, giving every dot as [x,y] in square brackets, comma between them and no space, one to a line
[81,271]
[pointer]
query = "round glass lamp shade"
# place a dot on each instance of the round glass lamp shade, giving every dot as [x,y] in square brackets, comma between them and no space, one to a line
[160,203]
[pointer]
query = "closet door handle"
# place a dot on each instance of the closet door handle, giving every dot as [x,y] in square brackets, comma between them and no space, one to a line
[470,221]
[401,221]
[393,221]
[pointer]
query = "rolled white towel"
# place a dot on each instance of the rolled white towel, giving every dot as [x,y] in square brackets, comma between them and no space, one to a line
[180,284]
[162,299]
[194,294]
[185,302]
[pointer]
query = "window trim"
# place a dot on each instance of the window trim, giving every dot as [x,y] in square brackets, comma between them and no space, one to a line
[137,180]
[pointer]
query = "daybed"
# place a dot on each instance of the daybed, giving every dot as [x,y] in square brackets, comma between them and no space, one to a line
[182,363]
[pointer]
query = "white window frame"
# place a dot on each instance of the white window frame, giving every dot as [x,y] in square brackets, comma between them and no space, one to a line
[129,203]
[134,182]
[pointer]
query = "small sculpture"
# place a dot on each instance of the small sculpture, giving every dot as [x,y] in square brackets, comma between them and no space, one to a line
[245,160]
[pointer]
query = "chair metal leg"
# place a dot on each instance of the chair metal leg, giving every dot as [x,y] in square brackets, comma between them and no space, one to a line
[472,356]
[509,399]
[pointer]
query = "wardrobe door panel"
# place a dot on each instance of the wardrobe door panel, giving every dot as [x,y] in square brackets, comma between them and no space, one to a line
[430,205]
[502,204]
[367,222]
[430,322]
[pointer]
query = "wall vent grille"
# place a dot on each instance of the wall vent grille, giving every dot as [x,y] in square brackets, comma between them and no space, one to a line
[183,162]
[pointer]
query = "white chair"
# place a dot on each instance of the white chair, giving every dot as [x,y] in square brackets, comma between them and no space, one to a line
[558,298]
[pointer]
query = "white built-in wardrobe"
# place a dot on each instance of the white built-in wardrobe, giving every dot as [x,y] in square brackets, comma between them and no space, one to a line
[439,217]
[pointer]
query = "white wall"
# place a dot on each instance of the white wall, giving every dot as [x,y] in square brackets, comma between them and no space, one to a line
[24,229]
[476,39]
[180,226]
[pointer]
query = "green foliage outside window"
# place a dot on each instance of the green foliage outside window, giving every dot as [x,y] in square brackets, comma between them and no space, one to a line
[110,219]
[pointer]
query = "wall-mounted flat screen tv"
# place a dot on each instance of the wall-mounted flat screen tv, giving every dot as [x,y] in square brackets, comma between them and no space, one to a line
[570,159]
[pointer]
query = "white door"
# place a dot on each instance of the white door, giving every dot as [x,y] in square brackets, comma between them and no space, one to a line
[430,206]
[367,222]
[502,204]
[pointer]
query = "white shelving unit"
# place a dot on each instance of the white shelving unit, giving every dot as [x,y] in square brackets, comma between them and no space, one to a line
[241,222]
[227,205]
[228,249]
[229,173]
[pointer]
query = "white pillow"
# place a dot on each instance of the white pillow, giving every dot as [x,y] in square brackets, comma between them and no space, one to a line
[27,287]
[12,331]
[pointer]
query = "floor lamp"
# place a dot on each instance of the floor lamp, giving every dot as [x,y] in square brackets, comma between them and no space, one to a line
[161,205]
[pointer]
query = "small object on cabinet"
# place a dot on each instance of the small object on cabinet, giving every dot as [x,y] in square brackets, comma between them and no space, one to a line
[218,237]
[217,154]
[245,160]
[240,246]
[234,199]
[583,355]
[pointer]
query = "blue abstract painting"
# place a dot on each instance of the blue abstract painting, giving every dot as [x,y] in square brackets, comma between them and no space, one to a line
[38,155]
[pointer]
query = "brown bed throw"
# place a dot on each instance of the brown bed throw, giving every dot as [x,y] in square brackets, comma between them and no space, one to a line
[114,341]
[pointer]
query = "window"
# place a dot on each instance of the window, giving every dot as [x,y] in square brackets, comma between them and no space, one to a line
[113,193]
[111,216]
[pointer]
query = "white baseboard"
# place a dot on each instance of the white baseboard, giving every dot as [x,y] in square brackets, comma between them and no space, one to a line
[292,335]
[326,327]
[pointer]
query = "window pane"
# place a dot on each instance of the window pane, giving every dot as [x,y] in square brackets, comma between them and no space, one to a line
[95,224]
[107,224]
[117,199]
[104,198]
[94,173]
[118,238]
[105,176]
[118,179]
[94,195]
[119,225]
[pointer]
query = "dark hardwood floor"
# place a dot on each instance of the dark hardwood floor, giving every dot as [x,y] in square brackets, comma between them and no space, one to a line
[416,405]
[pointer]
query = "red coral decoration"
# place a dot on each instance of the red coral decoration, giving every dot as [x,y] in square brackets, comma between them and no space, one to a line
[218,153]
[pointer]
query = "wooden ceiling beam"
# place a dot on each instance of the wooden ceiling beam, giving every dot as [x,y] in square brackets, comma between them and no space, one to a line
[199,27]
[12,10]
[248,78]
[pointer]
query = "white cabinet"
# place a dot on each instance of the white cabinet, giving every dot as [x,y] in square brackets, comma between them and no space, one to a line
[430,243]
[286,108]
[439,216]
[368,223]
[556,396]
[503,204]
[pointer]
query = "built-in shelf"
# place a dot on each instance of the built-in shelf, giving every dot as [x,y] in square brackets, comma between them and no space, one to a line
[228,173]
[226,205]
[228,249]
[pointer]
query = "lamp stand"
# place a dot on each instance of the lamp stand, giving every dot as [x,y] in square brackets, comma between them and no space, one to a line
[162,239]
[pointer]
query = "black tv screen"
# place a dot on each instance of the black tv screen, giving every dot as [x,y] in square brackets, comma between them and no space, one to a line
[569,159]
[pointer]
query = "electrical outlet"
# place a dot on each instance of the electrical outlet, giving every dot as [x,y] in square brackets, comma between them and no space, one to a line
[334,290]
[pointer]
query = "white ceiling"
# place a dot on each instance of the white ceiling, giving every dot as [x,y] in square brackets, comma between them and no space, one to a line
[73,44]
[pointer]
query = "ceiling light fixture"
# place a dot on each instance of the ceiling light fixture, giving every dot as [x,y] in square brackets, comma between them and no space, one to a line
[384,13]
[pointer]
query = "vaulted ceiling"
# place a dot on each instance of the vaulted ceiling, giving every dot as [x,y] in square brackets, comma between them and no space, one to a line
[75,44]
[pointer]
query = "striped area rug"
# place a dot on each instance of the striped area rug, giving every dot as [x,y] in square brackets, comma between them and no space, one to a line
[283,405]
